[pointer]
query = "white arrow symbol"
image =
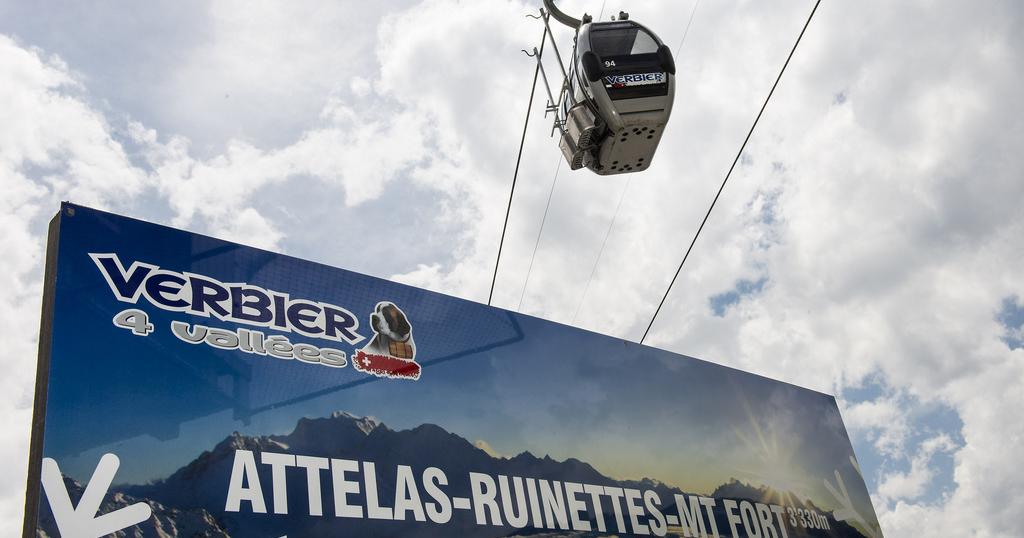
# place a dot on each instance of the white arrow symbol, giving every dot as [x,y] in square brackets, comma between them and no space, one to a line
[81,521]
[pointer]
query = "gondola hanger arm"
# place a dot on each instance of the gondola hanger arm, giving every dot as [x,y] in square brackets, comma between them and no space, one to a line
[564,18]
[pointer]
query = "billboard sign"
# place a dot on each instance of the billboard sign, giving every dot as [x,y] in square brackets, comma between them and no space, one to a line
[190,386]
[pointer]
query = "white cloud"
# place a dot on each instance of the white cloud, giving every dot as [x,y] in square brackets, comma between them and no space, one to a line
[486,447]
[894,233]
[64,145]
[260,72]
[911,484]
[884,419]
[880,197]
[351,149]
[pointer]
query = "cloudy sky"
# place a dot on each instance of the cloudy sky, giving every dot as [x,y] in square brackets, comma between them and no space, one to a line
[868,245]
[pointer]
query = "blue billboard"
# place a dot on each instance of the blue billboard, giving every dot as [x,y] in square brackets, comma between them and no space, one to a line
[190,386]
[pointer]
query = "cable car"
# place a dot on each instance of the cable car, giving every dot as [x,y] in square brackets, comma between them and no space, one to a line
[618,95]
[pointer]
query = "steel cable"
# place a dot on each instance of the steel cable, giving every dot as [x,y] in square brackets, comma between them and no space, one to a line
[731,168]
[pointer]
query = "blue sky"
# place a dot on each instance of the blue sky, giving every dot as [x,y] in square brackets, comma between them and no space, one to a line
[881,228]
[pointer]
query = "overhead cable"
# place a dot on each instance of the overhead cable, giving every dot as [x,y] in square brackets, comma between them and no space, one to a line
[607,233]
[515,175]
[543,219]
[729,173]
[622,195]
[687,30]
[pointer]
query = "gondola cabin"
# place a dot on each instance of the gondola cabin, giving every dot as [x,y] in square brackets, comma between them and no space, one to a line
[622,88]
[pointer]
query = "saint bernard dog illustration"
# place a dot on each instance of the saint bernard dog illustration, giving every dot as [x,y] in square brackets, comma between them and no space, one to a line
[392,351]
